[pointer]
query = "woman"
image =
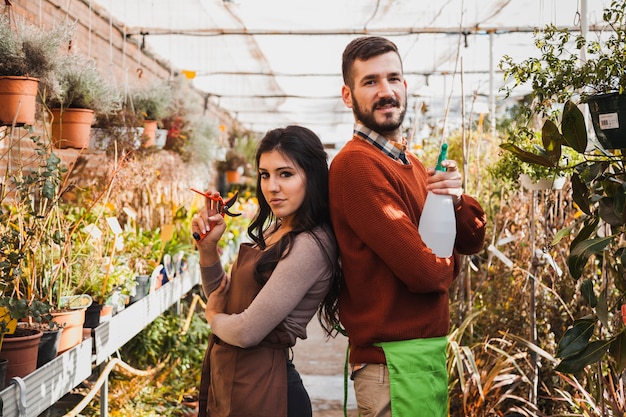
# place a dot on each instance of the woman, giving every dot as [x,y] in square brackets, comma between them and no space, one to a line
[276,285]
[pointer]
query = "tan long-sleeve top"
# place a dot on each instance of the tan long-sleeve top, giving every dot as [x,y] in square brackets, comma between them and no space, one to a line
[291,295]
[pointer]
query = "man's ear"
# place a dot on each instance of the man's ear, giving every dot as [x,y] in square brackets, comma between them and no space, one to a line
[346,96]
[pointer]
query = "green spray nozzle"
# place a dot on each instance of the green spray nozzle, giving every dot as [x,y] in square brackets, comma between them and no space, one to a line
[442,157]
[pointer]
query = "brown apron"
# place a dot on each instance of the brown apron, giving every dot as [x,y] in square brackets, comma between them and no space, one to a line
[250,382]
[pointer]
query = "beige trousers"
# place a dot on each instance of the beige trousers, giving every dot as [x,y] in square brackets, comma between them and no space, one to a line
[371,388]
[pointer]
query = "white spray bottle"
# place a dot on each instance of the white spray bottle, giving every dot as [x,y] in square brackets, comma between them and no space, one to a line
[437,225]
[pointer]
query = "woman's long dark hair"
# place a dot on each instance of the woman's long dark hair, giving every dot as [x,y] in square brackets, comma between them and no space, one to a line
[304,148]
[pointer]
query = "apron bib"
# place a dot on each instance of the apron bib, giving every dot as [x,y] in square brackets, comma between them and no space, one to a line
[418,378]
[252,382]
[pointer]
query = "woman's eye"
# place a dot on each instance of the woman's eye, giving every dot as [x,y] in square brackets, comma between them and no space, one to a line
[286,174]
[264,175]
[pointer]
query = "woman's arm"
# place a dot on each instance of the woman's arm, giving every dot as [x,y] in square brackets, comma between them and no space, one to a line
[292,280]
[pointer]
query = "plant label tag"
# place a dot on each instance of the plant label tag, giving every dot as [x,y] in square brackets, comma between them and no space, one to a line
[114,224]
[130,213]
[93,231]
[167,232]
[608,121]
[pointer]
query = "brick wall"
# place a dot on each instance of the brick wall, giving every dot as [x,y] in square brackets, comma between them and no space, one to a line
[101,38]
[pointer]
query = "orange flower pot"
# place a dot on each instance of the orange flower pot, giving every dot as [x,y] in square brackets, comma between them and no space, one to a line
[71,128]
[18,97]
[149,133]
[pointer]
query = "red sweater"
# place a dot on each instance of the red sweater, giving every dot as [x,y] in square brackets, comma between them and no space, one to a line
[395,288]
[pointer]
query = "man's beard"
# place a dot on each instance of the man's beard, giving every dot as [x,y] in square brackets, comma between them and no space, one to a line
[368,119]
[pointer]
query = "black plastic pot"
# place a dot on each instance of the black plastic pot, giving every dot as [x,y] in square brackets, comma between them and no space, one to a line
[142,289]
[48,346]
[92,316]
[608,115]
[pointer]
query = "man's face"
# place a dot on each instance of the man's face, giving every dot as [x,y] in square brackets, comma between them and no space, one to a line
[378,98]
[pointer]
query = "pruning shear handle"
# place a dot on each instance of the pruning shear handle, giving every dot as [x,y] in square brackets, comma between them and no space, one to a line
[223,207]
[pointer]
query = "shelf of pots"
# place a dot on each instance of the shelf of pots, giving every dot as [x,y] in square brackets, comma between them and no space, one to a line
[109,336]
[82,91]
[153,103]
[561,82]
[28,58]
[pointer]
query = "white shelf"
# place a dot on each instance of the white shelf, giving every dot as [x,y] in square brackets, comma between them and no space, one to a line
[48,384]
[111,335]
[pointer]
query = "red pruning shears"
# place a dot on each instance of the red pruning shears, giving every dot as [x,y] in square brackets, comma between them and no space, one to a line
[222,207]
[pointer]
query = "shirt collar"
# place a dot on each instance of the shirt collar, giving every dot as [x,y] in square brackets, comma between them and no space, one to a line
[390,148]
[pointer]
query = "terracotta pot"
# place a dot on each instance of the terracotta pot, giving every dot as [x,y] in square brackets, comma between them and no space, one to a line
[149,133]
[20,350]
[72,323]
[72,128]
[18,98]
[233,177]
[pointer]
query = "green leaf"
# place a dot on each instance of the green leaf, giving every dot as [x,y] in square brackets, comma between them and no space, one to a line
[575,339]
[560,235]
[607,212]
[592,354]
[590,226]
[579,254]
[574,129]
[602,311]
[580,193]
[617,350]
[552,140]
[528,157]
[586,289]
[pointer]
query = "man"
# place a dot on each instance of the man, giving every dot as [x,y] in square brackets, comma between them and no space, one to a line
[394,301]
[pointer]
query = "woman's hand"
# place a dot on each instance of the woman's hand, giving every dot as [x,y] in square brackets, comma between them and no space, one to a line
[447,182]
[216,302]
[210,226]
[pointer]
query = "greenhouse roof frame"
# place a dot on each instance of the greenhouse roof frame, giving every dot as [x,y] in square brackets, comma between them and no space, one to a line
[276,62]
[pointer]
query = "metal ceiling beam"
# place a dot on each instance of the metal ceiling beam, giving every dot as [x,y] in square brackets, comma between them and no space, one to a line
[278,74]
[145,31]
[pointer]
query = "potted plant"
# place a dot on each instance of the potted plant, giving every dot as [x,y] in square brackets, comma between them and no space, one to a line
[598,183]
[28,56]
[152,103]
[559,75]
[82,91]
[233,166]
[19,342]
[535,159]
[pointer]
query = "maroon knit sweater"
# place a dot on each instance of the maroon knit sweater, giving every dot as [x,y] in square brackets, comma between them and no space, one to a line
[395,288]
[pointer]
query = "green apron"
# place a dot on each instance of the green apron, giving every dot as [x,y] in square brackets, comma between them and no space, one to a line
[418,377]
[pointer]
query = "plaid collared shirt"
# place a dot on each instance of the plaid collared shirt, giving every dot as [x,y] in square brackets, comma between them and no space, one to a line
[394,150]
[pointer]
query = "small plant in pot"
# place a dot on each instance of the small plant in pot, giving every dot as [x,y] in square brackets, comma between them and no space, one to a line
[82,91]
[28,59]
[152,104]
[559,74]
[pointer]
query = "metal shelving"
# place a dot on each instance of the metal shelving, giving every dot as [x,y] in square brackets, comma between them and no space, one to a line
[32,395]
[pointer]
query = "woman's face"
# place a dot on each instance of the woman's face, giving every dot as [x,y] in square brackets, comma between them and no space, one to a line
[283,184]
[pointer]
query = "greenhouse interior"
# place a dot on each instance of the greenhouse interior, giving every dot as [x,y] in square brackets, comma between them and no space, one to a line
[99,253]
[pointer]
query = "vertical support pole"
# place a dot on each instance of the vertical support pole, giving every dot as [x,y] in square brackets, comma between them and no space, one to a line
[492,94]
[533,299]
[104,395]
